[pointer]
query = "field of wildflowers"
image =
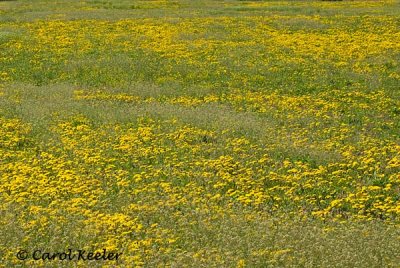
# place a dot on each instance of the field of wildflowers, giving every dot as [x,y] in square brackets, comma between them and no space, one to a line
[200,133]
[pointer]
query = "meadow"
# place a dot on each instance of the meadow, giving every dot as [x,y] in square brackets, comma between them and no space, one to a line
[201,133]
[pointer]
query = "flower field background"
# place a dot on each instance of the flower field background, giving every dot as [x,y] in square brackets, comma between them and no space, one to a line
[201,133]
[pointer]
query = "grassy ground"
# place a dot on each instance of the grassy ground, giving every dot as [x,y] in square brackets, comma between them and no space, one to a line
[200,133]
